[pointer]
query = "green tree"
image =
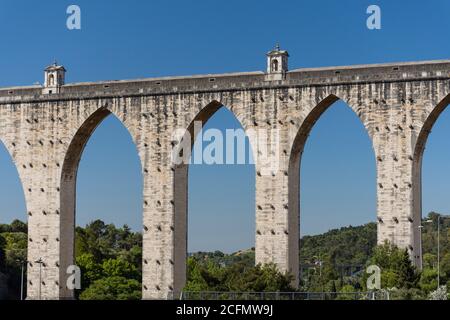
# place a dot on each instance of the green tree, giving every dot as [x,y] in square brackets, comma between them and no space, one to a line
[428,280]
[18,227]
[389,279]
[195,280]
[90,269]
[396,267]
[346,246]
[429,260]
[13,253]
[106,252]
[347,293]
[238,277]
[119,268]
[113,288]
[445,267]
[332,286]
[15,249]
[2,252]
[407,272]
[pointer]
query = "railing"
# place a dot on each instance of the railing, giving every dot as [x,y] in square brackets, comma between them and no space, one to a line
[207,295]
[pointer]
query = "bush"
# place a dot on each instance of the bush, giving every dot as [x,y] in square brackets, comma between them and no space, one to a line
[439,294]
[113,288]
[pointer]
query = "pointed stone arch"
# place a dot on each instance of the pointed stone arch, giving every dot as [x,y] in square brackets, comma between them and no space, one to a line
[9,147]
[426,128]
[13,198]
[181,173]
[417,158]
[68,181]
[294,166]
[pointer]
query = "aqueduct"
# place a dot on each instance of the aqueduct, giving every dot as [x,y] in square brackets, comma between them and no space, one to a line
[45,129]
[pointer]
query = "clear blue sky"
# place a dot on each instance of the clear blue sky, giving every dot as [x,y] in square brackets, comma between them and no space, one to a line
[134,39]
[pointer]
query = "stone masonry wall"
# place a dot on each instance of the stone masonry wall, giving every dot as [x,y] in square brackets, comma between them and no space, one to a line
[46,135]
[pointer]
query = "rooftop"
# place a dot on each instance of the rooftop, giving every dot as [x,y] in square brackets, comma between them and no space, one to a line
[54,67]
[319,72]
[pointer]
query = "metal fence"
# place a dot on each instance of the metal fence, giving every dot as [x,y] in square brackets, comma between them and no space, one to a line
[203,295]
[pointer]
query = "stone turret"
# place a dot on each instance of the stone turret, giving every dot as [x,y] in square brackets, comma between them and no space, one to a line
[277,63]
[54,78]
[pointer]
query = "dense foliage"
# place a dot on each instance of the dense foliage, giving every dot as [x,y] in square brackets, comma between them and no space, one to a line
[335,261]
[13,254]
[344,246]
[110,261]
[236,273]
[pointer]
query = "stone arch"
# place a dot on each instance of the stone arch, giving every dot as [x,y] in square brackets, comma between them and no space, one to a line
[275,65]
[51,79]
[14,169]
[68,183]
[426,129]
[203,116]
[181,172]
[294,165]
[419,149]
[20,173]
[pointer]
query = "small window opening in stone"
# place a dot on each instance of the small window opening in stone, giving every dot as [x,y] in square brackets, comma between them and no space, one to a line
[275,65]
[51,80]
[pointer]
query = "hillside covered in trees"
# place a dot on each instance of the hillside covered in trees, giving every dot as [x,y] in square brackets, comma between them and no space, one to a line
[336,262]
[110,259]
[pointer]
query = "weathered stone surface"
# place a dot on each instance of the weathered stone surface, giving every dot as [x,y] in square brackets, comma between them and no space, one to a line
[46,133]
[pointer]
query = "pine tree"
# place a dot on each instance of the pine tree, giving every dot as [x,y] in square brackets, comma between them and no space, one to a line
[407,276]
